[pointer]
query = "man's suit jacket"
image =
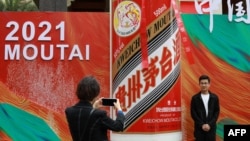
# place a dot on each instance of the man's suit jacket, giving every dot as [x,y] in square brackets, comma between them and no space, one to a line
[96,125]
[198,114]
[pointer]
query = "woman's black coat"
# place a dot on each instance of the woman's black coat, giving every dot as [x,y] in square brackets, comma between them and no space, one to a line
[83,128]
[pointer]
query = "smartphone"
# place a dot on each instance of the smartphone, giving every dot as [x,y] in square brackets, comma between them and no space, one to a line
[108,101]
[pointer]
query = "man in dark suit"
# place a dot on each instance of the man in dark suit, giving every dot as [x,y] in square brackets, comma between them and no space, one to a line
[205,111]
[86,121]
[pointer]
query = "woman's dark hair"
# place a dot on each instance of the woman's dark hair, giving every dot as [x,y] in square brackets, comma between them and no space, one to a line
[202,77]
[88,88]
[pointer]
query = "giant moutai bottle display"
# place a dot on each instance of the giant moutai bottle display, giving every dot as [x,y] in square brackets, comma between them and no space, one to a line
[146,69]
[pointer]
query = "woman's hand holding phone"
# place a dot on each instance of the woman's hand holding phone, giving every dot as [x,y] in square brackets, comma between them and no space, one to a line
[118,105]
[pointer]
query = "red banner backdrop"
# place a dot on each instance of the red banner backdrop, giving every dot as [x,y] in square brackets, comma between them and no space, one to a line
[42,58]
[211,28]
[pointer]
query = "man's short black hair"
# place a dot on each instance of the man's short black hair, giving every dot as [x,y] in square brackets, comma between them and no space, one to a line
[202,77]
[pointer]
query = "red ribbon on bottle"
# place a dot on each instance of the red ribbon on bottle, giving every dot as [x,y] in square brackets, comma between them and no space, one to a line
[184,37]
[143,33]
